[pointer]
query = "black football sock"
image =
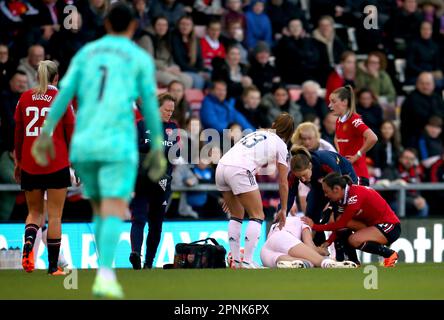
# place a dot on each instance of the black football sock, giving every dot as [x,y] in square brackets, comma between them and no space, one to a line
[53,253]
[376,248]
[31,233]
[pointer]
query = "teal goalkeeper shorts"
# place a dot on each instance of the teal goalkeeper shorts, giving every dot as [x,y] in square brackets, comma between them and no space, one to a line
[103,180]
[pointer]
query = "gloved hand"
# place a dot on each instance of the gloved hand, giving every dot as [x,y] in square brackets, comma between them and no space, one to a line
[41,148]
[156,165]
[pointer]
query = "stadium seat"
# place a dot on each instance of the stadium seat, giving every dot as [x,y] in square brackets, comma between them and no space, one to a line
[200,31]
[161,90]
[295,93]
[194,97]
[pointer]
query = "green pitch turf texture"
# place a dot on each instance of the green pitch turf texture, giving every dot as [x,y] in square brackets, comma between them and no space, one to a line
[405,281]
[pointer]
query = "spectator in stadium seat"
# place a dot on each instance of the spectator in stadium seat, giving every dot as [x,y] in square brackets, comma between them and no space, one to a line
[50,18]
[278,101]
[371,39]
[326,34]
[171,9]
[310,101]
[280,13]
[328,129]
[29,64]
[18,25]
[411,172]
[248,106]
[300,58]
[258,25]
[210,44]
[67,41]
[143,15]
[343,74]
[423,54]
[372,75]
[232,72]
[93,19]
[218,112]
[431,10]
[182,110]
[234,37]
[333,8]
[261,71]
[187,52]
[418,107]
[404,26]
[430,143]
[205,203]
[437,176]
[369,109]
[385,154]
[8,101]
[205,11]
[158,44]
[7,66]
[234,13]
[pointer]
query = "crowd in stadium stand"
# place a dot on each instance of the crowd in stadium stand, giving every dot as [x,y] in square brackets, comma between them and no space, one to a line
[238,64]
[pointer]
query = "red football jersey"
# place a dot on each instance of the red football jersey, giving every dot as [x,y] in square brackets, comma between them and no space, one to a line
[30,114]
[350,138]
[209,53]
[363,204]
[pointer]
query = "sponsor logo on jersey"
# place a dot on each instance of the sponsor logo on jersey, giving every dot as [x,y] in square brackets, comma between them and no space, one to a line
[357,122]
[352,200]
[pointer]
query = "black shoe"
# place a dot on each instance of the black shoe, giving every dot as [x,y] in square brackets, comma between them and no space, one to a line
[134,258]
[147,265]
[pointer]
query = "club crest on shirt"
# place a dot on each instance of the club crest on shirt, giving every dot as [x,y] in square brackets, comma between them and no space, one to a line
[169,131]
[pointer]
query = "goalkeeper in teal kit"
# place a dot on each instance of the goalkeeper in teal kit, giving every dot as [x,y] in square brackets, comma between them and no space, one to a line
[107,76]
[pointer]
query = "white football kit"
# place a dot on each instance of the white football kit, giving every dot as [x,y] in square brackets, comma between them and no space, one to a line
[256,153]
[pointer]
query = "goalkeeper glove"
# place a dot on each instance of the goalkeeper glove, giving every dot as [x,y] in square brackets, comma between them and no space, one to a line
[156,165]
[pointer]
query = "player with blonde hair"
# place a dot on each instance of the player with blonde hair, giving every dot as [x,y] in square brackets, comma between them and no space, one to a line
[35,179]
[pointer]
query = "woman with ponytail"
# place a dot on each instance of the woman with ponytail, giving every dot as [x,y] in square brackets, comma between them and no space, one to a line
[353,137]
[261,152]
[55,178]
[309,168]
[374,223]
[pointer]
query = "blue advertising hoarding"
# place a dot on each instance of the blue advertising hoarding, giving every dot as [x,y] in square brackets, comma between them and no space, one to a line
[79,248]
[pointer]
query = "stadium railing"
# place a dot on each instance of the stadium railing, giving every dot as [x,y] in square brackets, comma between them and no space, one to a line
[400,189]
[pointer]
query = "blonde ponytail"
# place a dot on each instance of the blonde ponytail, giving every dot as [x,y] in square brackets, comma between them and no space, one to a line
[46,73]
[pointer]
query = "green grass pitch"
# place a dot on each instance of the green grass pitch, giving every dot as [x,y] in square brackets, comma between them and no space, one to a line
[405,281]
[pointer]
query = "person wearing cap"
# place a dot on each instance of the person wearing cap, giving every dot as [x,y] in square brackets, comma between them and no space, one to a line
[261,71]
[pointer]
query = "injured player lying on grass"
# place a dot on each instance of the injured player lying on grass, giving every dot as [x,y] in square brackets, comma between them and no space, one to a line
[293,247]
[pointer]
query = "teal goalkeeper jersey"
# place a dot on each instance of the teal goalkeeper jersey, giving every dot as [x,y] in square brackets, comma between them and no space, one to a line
[107,76]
